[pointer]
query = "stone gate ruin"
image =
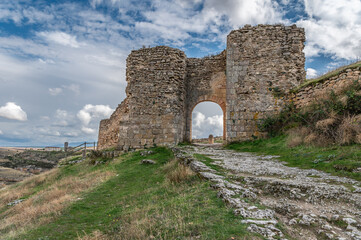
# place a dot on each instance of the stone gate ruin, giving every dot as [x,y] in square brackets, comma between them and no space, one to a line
[247,80]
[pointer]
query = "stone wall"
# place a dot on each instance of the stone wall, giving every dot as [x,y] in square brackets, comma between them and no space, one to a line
[263,63]
[205,81]
[322,89]
[109,129]
[259,65]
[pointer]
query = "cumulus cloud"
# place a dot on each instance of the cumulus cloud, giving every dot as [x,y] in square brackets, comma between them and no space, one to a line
[55,91]
[62,118]
[202,126]
[198,119]
[90,111]
[311,73]
[174,20]
[61,38]
[13,111]
[333,28]
[88,130]
[246,11]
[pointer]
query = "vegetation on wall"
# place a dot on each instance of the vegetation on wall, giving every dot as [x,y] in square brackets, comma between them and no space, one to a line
[332,120]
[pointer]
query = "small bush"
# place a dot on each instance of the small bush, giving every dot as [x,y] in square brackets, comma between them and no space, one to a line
[348,130]
[295,136]
[177,172]
[311,139]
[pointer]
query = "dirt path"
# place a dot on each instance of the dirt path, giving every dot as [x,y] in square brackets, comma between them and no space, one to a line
[277,201]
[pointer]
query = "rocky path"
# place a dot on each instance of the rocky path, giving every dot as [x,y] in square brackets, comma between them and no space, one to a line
[277,201]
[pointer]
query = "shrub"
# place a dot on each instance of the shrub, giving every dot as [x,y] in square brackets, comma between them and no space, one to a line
[295,136]
[334,118]
[349,130]
[177,172]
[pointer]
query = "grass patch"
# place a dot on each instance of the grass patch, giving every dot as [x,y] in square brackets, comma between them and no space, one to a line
[337,160]
[208,161]
[156,201]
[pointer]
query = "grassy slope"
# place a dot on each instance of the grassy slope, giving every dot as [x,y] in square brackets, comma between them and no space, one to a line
[140,202]
[337,160]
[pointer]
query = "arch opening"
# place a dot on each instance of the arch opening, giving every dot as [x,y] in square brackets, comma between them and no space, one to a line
[207,118]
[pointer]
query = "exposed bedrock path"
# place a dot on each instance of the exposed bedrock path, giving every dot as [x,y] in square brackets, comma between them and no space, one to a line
[277,201]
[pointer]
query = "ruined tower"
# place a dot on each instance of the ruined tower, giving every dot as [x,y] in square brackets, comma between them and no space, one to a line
[248,81]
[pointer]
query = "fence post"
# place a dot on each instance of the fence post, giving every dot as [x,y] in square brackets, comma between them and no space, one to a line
[94,146]
[84,151]
[66,145]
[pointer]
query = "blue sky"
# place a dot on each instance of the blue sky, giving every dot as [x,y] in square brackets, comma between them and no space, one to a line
[62,63]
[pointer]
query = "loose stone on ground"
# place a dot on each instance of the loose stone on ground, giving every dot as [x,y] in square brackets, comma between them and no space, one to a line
[267,194]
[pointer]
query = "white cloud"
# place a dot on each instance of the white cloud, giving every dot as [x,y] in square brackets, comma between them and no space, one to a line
[35,16]
[202,126]
[333,28]
[311,73]
[198,119]
[74,88]
[45,118]
[1,132]
[246,11]
[13,111]
[48,132]
[62,117]
[60,38]
[55,91]
[71,134]
[90,111]
[88,130]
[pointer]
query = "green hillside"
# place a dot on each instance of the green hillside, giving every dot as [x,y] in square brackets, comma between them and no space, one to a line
[118,199]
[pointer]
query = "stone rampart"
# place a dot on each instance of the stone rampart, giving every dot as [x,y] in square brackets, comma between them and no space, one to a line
[322,89]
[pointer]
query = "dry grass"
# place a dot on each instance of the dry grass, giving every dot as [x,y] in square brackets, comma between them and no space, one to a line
[152,222]
[43,206]
[349,130]
[311,138]
[26,187]
[95,235]
[358,138]
[136,225]
[325,124]
[177,172]
[296,136]
[335,129]
[294,141]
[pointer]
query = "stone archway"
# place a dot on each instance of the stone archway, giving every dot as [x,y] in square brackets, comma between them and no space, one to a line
[219,102]
[205,81]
